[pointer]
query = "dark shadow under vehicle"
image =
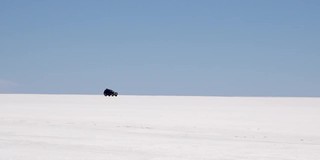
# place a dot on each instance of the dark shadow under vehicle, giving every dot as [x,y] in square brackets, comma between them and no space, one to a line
[109,92]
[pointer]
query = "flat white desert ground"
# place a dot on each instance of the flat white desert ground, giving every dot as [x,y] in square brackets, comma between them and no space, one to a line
[93,127]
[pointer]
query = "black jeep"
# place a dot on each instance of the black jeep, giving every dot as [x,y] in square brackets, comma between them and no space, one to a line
[109,92]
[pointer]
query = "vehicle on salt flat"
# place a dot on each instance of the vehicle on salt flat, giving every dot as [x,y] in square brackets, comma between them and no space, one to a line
[110,92]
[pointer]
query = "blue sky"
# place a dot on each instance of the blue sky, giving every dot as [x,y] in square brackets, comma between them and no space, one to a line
[167,47]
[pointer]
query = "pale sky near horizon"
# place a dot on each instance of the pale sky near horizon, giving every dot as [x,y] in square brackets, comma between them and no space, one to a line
[167,47]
